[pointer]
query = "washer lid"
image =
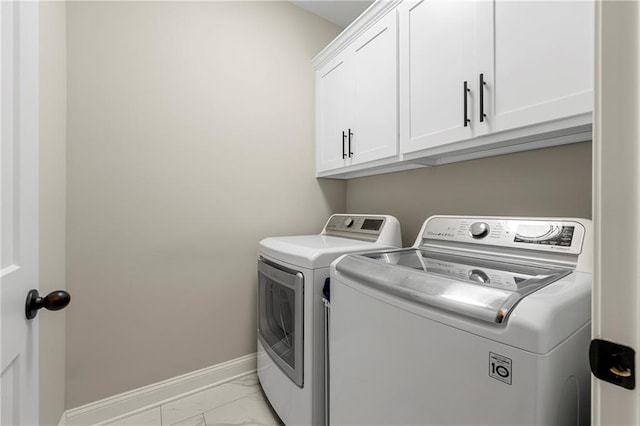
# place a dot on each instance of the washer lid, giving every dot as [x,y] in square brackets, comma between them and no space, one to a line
[483,289]
[313,251]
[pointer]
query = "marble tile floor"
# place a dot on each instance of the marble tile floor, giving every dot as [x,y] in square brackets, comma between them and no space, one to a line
[238,402]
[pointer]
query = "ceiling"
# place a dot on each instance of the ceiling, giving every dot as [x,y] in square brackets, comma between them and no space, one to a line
[340,12]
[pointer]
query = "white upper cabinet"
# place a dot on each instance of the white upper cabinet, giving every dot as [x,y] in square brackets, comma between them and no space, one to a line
[537,60]
[335,113]
[357,100]
[437,58]
[428,82]
[375,61]
[525,65]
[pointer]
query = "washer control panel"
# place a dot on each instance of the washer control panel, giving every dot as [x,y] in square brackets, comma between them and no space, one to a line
[532,234]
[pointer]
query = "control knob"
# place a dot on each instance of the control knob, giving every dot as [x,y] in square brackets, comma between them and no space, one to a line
[479,230]
[348,222]
[479,276]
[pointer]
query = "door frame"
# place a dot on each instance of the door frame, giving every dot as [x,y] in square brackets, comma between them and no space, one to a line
[616,199]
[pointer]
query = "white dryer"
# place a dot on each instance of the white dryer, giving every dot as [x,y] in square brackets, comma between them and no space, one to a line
[485,321]
[292,272]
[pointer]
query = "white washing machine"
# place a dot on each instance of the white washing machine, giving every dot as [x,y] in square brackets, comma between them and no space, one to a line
[292,272]
[484,321]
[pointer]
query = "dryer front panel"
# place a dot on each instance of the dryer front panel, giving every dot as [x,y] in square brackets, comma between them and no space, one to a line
[281,317]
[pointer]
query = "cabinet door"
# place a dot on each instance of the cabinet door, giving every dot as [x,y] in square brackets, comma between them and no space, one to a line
[335,111]
[537,59]
[375,65]
[438,55]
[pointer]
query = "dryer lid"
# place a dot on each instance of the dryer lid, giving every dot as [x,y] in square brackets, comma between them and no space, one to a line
[480,288]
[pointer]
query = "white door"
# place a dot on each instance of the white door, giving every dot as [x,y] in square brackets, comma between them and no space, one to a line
[335,105]
[19,232]
[439,54]
[616,301]
[375,63]
[537,60]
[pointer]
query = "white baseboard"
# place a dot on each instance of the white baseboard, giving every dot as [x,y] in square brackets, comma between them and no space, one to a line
[154,395]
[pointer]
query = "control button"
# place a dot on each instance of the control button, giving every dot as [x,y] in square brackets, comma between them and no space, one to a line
[479,230]
[348,222]
[479,276]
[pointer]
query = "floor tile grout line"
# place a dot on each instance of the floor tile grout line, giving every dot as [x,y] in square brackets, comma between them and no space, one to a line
[222,405]
[231,402]
[202,413]
[274,415]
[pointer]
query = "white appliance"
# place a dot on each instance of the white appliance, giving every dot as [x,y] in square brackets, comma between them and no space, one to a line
[292,272]
[484,321]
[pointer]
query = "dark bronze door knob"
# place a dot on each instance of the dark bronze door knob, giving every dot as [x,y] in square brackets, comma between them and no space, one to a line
[53,301]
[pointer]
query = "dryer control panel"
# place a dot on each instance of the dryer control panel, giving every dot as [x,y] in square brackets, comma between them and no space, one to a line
[383,229]
[346,223]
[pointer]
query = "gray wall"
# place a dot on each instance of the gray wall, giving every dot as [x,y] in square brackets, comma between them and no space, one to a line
[53,125]
[545,182]
[190,138]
